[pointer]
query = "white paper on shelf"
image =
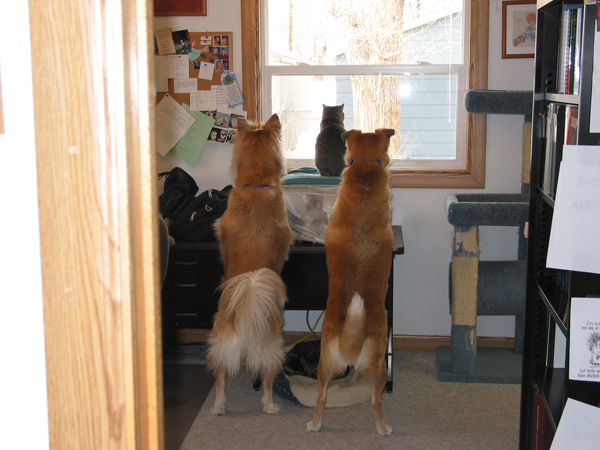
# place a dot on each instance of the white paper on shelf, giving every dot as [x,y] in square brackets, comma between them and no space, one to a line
[574,239]
[584,342]
[579,427]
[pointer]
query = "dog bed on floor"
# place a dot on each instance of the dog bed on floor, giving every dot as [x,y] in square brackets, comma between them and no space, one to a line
[341,392]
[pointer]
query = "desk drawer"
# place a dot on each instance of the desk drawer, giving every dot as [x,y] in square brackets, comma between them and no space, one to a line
[195,260]
[201,317]
[191,285]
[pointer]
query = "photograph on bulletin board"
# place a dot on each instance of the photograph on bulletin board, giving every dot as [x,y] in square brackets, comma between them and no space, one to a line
[180,8]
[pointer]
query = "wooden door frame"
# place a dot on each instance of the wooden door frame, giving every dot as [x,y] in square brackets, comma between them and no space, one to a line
[94,126]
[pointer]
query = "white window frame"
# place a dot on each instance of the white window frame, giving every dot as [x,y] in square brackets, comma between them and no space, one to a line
[472,172]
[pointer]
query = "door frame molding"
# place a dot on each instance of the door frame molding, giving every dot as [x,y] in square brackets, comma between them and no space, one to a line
[94,127]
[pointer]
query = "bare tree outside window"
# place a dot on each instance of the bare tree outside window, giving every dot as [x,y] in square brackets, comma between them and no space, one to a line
[373,34]
[422,39]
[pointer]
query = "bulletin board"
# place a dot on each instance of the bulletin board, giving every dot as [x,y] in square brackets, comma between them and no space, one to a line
[206,56]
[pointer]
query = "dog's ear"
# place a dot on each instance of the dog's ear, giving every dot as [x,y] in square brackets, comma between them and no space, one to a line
[347,134]
[243,124]
[388,131]
[273,122]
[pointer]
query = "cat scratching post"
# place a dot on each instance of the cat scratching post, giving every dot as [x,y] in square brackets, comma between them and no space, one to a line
[465,272]
[492,288]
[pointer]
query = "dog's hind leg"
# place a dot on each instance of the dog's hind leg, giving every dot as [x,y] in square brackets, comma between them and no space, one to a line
[268,378]
[315,424]
[219,406]
[329,364]
[378,375]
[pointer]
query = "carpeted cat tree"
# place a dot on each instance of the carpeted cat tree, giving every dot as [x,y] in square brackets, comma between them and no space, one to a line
[494,288]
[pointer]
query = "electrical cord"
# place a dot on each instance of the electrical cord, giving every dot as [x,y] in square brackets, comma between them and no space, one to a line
[312,329]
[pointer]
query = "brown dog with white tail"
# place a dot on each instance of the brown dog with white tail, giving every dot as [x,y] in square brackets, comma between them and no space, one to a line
[358,243]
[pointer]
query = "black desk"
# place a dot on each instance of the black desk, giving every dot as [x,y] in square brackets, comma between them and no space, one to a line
[190,296]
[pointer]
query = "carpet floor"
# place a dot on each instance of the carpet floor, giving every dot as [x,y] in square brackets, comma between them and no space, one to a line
[424,413]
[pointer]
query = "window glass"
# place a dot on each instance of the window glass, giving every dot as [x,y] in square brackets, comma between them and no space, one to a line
[392,63]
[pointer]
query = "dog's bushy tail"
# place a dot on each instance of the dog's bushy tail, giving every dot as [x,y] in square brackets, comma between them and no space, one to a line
[353,331]
[253,302]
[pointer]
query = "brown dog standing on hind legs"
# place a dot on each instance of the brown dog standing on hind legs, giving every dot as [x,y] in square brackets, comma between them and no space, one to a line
[358,243]
[254,238]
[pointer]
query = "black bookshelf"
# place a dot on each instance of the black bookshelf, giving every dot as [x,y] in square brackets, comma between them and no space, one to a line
[549,291]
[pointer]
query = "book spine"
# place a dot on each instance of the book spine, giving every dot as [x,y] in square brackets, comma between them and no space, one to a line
[563,51]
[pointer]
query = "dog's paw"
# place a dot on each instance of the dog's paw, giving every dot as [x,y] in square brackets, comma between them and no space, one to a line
[218,410]
[273,408]
[311,427]
[385,431]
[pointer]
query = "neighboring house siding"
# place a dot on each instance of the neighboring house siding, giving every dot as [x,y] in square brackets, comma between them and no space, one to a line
[424,130]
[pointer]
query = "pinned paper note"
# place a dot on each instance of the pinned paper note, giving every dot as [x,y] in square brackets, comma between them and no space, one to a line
[179,66]
[221,93]
[206,70]
[234,93]
[203,101]
[185,85]
[161,74]
[172,122]
[190,146]
[164,41]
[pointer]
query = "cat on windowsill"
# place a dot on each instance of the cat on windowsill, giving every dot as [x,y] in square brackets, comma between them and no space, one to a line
[330,148]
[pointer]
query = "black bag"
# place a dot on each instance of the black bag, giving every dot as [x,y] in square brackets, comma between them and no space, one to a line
[179,191]
[195,222]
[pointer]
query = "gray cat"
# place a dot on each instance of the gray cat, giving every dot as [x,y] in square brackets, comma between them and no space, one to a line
[330,148]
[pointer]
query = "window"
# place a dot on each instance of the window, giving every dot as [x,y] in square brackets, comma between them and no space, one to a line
[415,78]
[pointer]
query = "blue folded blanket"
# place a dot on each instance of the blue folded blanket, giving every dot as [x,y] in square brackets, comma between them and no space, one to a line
[308,175]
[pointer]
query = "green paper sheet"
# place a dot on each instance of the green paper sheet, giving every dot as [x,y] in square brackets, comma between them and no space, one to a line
[190,146]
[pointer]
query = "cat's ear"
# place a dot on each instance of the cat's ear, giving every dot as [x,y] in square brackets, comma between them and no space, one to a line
[273,122]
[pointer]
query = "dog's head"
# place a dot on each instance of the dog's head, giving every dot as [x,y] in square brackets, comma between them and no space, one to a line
[372,146]
[257,154]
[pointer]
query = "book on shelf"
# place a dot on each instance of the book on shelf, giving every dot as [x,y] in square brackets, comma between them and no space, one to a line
[556,345]
[569,49]
[571,124]
[561,128]
[543,429]
[555,130]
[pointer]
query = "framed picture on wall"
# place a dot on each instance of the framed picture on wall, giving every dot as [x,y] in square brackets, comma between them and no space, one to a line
[518,29]
[180,7]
